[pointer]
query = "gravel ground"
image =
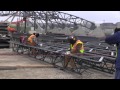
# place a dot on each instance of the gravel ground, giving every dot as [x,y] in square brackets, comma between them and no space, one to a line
[50,73]
[43,70]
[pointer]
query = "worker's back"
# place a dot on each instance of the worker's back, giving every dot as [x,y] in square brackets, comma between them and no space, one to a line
[79,46]
[30,39]
[115,39]
[76,45]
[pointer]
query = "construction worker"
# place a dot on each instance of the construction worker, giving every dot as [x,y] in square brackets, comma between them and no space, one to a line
[115,39]
[32,41]
[23,39]
[10,29]
[76,46]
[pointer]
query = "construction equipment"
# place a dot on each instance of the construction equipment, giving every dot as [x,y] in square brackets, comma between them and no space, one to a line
[4,35]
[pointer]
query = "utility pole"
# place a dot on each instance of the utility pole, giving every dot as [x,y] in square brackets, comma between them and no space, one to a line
[46,20]
[24,18]
[17,24]
[25,25]
[34,21]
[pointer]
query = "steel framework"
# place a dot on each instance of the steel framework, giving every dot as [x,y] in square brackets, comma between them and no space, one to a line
[50,19]
[54,53]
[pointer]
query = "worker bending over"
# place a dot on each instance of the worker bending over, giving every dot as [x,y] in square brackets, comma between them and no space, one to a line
[33,41]
[76,46]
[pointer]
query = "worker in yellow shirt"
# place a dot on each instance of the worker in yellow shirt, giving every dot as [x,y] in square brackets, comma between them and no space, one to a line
[76,46]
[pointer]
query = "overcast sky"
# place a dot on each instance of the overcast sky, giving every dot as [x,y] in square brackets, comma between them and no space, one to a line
[98,16]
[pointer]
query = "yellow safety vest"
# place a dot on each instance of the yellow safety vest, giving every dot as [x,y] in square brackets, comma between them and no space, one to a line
[74,46]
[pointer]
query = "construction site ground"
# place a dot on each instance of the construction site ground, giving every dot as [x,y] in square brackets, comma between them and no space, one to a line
[15,66]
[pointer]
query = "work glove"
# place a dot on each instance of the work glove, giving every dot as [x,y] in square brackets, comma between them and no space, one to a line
[68,49]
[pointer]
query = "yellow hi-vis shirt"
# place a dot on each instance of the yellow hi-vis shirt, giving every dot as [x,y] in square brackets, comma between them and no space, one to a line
[74,46]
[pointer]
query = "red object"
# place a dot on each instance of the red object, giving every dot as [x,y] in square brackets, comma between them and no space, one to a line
[22,39]
[11,29]
[24,19]
[17,22]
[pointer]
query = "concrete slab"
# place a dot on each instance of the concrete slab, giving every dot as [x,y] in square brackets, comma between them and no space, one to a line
[11,59]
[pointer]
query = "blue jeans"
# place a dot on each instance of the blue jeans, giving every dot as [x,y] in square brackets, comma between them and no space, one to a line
[117,74]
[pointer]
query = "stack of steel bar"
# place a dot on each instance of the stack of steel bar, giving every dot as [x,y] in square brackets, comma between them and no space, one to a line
[96,55]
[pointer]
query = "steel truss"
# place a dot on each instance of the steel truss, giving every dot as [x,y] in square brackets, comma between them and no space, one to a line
[51,19]
[54,53]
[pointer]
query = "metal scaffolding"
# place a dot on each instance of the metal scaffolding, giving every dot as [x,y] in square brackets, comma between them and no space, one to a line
[96,58]
[50,19]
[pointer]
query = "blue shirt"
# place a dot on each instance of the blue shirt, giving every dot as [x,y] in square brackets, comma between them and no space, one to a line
[115,39]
